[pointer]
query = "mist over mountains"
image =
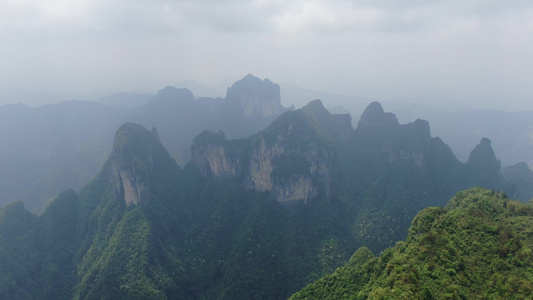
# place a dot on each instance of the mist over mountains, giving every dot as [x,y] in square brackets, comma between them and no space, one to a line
[231,198]
[55,147]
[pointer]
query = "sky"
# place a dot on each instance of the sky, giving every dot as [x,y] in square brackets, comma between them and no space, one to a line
[473,51]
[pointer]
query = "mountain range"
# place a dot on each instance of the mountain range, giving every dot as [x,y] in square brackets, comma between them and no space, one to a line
[48,149]
[251,215]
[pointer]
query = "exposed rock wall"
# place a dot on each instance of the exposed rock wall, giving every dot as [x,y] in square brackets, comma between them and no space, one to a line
[214,163]
[290,173]
[129,185]
[261,166]
[291,159]
[137,164]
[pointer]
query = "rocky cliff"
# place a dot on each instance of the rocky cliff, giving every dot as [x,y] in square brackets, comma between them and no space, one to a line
[137,160]
[211,155]
[293,158]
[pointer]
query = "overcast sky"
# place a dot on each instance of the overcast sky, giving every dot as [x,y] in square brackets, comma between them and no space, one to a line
[477,51]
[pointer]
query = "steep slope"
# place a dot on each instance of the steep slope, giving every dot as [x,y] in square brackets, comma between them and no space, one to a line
[19,258]
[36,252]
[382,173]
[111,242]
[478,247]
[122,253]
[483,161]
[389,172]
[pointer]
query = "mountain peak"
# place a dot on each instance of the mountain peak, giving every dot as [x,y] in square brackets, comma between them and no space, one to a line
[256,97]
[483,155]
[316,106]
[374,115]
[138,159]
[340,125]
[173,92]
[420,128]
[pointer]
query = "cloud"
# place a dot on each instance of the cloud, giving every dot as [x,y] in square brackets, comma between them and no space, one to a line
[366,47]
[323,17]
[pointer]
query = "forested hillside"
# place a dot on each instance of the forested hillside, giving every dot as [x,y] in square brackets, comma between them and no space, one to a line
[479,246]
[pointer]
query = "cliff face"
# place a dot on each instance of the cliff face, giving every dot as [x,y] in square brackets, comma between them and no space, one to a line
[137,160]
[129,185]
[286,159]
[261,166]
[210,154]
[291,174]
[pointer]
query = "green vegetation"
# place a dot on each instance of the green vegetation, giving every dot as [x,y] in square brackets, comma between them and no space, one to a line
[478,247]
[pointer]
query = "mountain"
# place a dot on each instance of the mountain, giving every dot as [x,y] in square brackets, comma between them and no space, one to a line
[462,127]
[478,246]
[55,147]
[36,253]
[122,253]
[250,105]
[293,158]
[248,218]
[518,178]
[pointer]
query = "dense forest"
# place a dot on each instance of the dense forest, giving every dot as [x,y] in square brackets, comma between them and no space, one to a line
[478,246]
[260,217]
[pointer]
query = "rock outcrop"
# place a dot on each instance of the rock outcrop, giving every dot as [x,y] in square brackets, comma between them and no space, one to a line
[256,98]
[210,154]
[292,158]
[138,159]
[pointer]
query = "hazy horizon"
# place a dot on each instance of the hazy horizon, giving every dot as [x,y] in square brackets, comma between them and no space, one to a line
[471,52]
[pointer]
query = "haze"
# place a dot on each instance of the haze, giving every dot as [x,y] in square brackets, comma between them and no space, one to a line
[472,51]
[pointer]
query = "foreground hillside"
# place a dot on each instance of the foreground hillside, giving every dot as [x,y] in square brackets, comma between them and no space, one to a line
[479,246]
